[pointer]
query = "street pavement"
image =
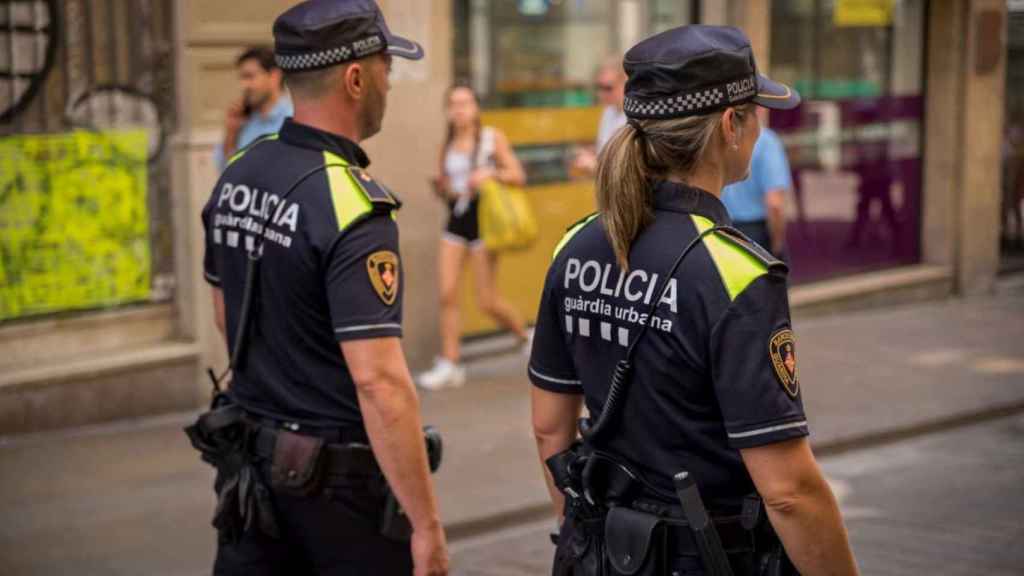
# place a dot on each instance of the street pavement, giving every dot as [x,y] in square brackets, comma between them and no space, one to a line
[945,504]
[132,498]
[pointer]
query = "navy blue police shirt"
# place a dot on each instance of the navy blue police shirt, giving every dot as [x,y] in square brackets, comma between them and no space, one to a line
[330,270]
[716,371]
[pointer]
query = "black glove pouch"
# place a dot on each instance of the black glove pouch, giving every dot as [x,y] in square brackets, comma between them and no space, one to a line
[634,543]
[297,463]
[580,542]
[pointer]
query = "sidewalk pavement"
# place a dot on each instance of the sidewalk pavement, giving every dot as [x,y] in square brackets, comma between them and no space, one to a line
[133,498]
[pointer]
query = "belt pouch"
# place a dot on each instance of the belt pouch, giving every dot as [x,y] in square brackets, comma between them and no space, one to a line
[296,463]
[634,542]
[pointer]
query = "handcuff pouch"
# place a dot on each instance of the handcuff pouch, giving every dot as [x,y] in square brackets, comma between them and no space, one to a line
[634,542]
[296,463]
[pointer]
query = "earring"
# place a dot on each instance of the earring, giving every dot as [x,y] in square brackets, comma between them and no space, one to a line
[735,146]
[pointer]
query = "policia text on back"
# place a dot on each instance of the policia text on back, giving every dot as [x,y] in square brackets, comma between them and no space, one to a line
[673,328]
[610,528]
[303,257]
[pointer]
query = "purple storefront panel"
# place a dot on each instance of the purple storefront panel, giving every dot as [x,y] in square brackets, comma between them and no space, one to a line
[856,169]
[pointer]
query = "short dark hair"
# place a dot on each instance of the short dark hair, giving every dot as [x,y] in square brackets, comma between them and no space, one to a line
[312,83]
[264,55]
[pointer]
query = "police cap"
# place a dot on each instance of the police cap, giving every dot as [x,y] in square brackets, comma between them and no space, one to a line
[693,70]
[321,33]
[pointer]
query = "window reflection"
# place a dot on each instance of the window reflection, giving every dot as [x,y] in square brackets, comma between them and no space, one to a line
[854,145]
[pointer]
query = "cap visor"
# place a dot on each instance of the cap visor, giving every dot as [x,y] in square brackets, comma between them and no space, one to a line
[772,94]
[404,48]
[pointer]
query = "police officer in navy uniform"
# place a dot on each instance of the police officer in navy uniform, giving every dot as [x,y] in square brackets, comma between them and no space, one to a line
[714,386]
[330,275]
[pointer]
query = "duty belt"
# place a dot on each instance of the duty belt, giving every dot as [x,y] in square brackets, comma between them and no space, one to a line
[330,434]
[339,459]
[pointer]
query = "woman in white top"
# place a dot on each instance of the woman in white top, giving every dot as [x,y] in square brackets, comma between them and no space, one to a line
[471,154]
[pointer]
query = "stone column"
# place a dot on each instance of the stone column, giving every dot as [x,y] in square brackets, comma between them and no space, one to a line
[963,138]
[979,204]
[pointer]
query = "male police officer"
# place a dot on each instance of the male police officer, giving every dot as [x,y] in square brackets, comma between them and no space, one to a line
[311,492]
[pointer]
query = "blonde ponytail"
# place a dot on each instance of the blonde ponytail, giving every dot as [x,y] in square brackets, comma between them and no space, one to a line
[643,151]
[623,194]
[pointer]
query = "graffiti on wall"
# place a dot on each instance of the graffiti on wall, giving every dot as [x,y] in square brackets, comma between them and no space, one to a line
[28,44]
[86,105]
[33,33]
[74,230]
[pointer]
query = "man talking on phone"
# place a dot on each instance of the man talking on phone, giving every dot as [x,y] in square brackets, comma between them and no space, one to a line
[262,106]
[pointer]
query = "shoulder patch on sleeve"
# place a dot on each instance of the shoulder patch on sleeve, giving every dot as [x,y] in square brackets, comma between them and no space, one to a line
[383,269]
[572,231]
[782,350]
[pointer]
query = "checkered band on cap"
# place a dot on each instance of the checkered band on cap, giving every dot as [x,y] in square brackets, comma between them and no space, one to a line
[693,103]
[331,56]
[683,104]
[312,60]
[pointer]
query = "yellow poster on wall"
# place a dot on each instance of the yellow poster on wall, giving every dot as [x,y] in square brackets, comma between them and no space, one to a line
[862,13]
[74,224]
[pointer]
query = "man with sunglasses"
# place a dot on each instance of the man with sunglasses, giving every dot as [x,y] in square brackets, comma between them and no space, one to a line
[609,83]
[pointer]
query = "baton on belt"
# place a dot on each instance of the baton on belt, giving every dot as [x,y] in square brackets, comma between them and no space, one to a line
[709,544]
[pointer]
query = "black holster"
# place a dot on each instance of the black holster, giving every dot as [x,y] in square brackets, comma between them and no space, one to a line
[394,524]
[223,437]
[632,536]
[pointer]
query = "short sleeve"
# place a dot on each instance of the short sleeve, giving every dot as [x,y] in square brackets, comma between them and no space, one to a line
[210,272]
[753,356]
[773,171]
[364,281]
[551,366]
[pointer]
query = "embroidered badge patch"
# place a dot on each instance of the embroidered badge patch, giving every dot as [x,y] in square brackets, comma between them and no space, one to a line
[782,350]
[383,269]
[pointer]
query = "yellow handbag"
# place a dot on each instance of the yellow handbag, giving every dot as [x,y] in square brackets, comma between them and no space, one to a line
[507,221]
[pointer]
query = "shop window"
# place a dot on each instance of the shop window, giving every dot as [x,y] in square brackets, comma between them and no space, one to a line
[855,144]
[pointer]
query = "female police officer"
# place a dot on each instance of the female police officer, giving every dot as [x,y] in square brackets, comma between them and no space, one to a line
[711,387]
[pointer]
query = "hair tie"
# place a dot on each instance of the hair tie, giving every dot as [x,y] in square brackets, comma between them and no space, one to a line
[636,126]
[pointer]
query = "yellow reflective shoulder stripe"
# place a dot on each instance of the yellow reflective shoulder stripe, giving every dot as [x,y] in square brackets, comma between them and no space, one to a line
[737,267]
[572,232]
[242,152]
[349,202]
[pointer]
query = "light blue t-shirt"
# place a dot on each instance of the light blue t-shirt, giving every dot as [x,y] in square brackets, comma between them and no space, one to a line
[769,170]
[257,125]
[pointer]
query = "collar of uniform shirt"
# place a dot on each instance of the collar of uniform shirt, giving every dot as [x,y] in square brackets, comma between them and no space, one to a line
[676,197]
[310,137]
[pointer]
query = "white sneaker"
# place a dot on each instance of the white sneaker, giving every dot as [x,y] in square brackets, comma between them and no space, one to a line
[444,374]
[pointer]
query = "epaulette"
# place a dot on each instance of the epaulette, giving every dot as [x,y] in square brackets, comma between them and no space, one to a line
[581,221]
[741,240]
[375,192]
[571,231]
[241,152]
